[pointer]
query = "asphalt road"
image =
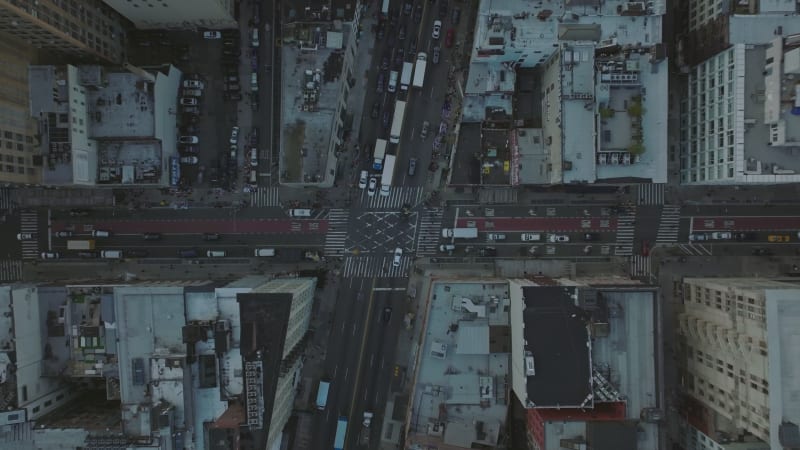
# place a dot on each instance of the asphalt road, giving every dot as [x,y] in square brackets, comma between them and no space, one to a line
[360,357]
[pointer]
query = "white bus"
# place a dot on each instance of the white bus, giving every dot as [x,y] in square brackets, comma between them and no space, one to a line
[397,122]
[385,8]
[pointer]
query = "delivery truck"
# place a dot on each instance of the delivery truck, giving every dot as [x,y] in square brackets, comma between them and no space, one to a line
[405,78]
[341,432]
[419,71]
[380,152]
[460,233]
[80,245]
[388,174]
[397,121]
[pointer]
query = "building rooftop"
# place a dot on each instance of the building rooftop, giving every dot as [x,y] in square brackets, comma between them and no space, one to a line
[312,84]
[105,127]
[457,402]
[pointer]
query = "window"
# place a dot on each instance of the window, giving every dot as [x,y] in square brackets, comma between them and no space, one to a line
[24,393]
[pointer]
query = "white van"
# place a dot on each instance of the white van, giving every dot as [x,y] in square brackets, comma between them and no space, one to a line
[215,253]
[322,394]
[253,177]
[254,81]
[100,233]
[300,212]
[393,81]
[253,157]
[265,252]
[111,254]
[254,38]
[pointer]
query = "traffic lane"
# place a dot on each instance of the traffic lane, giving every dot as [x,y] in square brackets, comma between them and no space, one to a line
[745,223]
[112,214]
[342,355]
[228,240]
[557,209]
[533,224]
[225,226]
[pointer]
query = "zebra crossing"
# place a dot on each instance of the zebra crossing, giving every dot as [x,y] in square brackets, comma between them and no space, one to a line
[429,228]
[265,196]
[669,225]
[29,223]
[380,266]
[625,232]
[6,199]
[10,270]
[640,266]
[650,194]
[398,196]
[336,238]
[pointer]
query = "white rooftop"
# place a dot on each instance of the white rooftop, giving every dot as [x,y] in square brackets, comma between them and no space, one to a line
[783,339]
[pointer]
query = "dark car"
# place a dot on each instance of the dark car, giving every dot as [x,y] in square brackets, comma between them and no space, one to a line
[379,83]
[376,109]
[407,6]
[235,51]
[386,119]
[254,136]
[402,33]
[487,251]
[744,236]
[136,253]
[762,252]
[418,14]
[412,167]
[152,236]
[387,314]
[398,57]
[385,62]
[591,237]
[87,254]
[448,39]
[381,30]
[436,51]
[187,253]
[442,10]
[412,46]
[233,96]
[79,212]
[211,237]
[456,16]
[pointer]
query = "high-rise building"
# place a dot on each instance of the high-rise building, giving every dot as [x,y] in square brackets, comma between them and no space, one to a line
[738,356]
[177,14]
[86,29]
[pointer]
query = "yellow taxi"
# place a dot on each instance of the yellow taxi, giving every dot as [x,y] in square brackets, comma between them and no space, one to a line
[778,238]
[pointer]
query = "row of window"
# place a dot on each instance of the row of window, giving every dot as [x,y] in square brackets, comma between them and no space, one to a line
[18,169]
[695,174]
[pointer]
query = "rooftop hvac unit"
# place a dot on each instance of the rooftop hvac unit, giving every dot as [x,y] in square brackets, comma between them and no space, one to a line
[530,368]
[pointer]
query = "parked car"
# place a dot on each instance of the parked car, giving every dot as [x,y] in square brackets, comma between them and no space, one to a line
[101,233]
[189,160]
[152,236]
[234,135]
[437,29]
[235,96]
[436,52]
[191,149]
[362,179]
[487,251]
[456,16]
[448,40]
[212,35]
[407,6]
[696,237]
[778,238]
[495,236]
[188,101]
[558,238]
[418,13]
[591,237]
[192,92]
[136,253]
[721,235]
[744,236]
[380,83]
[401,34]
[24,236]
[530,237]
[234,51]
[88,254]
[387,314]
[50,255]
[412,46]
[412,167]
[193,84]
[423,132]
[63,234]
[79,212]
[188,140]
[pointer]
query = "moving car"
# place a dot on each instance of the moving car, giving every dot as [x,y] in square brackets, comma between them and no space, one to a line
[487,251]
[101,233]
[696,237]
[423,133]
[387,314]
[437,29]
[192,92]
[234,135]
[721,235]
[745,236]
[448,39]
[78,212]
[456,17]
[212,35]
[152,236]
[264,252]
[188,101]
[362,179]
[412,167]
[418,14]
[50,255]
[436,51]
[63,234]
[215,254]
[398,255]
[495,236]
[529,237]
[189,160]
[188,139]
[376,109]
[373,185]
[558,238]
[591,237]
[444,248]
[778,238]
[211,236]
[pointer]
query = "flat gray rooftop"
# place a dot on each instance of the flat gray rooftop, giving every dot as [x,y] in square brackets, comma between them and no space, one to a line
[122,109]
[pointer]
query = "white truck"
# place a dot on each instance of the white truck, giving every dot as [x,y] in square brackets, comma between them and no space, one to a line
[393,75]
[460,233]
[80,245]
[363,437]
[419,70]
[405,78]
[397,121]
[380,152]
[388,173]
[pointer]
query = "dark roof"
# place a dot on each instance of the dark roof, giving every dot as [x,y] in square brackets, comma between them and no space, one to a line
[264,320]
[611,435]
[556,335]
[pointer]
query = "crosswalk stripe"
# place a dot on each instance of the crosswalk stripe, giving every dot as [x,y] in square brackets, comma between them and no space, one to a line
[669,225]
[640,266]
[10,270]
[398,196]
[625,232]
[336,238]
[6,199]
[650,194]
[380,266]
[29,223]
[430,225]
[265,196]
